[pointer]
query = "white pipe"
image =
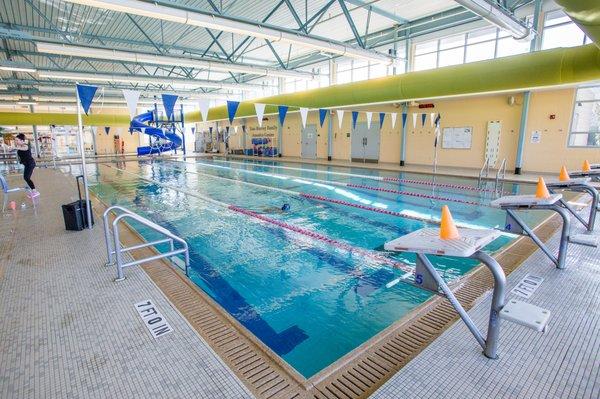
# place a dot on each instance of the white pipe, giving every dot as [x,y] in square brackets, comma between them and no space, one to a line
[498,17]
[106,54]
[234,26]
[100,77]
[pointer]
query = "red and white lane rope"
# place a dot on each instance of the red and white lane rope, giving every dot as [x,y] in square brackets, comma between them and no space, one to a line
[370,177]
[418,195]
[436,184]
[341,184]
[366,207]
[382,260]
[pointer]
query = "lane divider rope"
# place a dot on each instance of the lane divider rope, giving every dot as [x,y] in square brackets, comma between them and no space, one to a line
[366,207]
[349,185]
[383,260]
[370,177]
[418,195]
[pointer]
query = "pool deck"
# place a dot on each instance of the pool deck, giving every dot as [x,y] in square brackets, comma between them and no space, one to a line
[563,362]
[70,331]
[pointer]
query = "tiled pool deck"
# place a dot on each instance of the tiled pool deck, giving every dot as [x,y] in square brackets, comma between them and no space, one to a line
[69,331]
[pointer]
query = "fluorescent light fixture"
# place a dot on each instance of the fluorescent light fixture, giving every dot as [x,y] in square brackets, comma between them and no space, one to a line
[237,26]
[17,66]
[182,83]
[107,54]
[26,102]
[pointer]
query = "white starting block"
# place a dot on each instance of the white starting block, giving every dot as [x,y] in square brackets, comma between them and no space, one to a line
[428,241]
[524,201]
[468,245]
[516,225]
[526,314]
[594,174]
[580,184]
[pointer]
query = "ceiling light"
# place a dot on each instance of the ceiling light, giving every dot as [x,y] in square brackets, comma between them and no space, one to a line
[183,83]
[17,66]
[108,54]
[238,26]
[26,103]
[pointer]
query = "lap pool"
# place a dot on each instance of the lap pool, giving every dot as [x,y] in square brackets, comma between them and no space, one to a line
[311,282]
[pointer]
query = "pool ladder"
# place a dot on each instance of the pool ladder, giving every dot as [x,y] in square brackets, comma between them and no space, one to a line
[115,251]
[484,173]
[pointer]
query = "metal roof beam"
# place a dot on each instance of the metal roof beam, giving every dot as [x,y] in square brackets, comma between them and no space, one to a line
[189,16]
[357,37]
[295,15]
[378,10]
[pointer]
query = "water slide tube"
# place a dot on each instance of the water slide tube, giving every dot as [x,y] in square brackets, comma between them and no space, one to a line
[138,123]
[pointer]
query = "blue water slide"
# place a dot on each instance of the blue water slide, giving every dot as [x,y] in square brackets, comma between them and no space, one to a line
[139,123]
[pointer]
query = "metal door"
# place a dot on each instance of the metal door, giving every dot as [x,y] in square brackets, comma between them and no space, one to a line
[309,142]
[365,143]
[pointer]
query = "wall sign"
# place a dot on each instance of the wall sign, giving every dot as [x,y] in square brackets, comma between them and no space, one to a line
[153,319]
[457,137]
[536,137]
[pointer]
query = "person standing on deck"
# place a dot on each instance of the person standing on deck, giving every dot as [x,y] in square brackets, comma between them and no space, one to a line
[23,147]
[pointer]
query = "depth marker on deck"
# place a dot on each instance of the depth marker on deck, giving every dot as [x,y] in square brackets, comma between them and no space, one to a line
[153,319]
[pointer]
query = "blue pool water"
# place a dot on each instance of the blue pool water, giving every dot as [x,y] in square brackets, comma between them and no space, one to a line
[309,301]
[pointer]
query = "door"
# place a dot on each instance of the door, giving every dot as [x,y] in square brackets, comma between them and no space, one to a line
[309,142]
[365,143]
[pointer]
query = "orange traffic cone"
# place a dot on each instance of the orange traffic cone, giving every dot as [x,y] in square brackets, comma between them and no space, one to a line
[564,175]
[586,167]
[448,230]
[541,190]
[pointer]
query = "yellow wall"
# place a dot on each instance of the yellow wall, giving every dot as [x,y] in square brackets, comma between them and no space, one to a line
[476,112]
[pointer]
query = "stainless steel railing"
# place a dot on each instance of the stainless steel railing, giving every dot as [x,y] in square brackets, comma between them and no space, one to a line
[115,251]
[484,169]
[500,176]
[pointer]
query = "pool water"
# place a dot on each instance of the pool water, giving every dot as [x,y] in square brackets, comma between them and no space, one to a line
[310,300]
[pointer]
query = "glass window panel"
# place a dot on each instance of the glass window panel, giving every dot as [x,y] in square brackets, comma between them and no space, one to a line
[481,35]
[427,47]
[360,64]
[588,93]
[360,74]
[480,51]
[377,71]
[556,17]
[586,117]
[568,35]
[509,46]
[426,61]
[344,77]
[452,42]
[584,140]
[451,57]
[344,66]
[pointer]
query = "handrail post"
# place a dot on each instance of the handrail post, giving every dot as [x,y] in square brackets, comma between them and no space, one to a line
[118,256]
[118,250]
[498,302]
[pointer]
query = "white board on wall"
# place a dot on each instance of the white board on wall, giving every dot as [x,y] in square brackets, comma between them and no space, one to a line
[492,142]
[457,137]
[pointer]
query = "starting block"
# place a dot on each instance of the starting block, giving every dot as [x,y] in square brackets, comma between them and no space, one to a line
[581,184]
[468,244]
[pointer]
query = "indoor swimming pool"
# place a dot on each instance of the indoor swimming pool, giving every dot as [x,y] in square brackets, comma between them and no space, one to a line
[295,251]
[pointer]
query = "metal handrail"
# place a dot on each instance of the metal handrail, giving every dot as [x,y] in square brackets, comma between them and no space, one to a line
[500,174]
[486,168]
[115,252]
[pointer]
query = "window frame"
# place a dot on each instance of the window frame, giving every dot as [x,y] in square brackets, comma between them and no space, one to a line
[571,132]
